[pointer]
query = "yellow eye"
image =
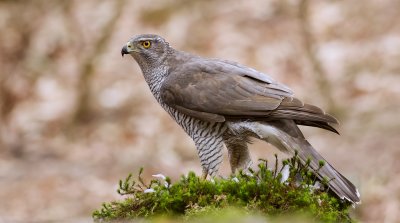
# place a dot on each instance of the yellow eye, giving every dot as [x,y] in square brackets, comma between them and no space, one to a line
[146,44]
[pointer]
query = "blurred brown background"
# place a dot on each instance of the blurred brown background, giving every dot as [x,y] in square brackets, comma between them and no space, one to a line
[75,117]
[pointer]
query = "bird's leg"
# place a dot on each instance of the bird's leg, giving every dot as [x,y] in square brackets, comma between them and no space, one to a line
[238,153]
[204,174]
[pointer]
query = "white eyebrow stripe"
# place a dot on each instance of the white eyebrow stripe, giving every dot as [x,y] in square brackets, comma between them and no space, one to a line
[146,39]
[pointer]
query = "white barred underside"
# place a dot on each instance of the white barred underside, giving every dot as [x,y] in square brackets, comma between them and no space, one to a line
[207,136]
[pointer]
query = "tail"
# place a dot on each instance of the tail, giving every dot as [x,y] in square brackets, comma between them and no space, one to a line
[338,183]
[286,136]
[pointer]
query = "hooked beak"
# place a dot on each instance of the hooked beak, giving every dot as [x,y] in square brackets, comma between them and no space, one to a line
[124,50]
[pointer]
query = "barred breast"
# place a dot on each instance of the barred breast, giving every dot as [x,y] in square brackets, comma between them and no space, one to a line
[207,136]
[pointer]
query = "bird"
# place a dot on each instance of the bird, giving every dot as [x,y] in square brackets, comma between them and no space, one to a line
[222,105]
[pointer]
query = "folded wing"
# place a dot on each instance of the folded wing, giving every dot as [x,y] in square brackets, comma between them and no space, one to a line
[217,91]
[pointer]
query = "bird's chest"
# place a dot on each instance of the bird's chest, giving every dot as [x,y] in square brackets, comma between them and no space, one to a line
[192,126]
[195,128]
[188,124]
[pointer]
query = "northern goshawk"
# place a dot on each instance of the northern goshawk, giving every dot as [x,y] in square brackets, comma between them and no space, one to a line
[221,104]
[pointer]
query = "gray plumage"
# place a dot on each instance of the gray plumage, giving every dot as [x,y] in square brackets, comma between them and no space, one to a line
[222,104]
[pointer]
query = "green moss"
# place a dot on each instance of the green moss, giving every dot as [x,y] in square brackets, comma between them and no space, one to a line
[257,193]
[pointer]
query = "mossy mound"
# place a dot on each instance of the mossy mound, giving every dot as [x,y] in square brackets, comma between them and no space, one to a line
[270,193]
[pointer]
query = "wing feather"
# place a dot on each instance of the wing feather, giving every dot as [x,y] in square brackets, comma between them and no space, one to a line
[218,90]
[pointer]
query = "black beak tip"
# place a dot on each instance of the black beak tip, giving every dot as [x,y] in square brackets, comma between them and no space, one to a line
[124,51]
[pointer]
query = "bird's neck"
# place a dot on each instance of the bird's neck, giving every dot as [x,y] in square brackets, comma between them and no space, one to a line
[154,78]
[156,74]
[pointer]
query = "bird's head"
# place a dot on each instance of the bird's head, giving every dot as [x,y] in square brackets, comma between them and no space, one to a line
[148,50]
